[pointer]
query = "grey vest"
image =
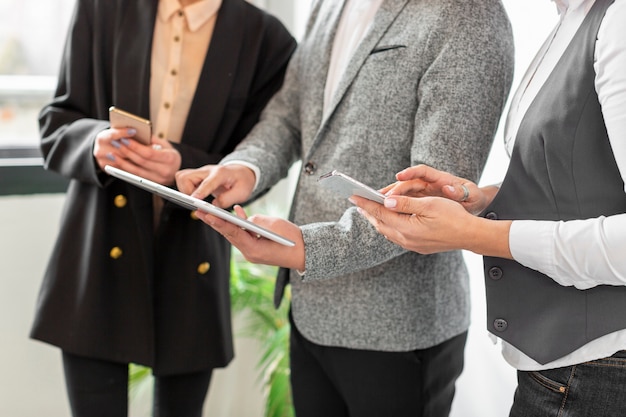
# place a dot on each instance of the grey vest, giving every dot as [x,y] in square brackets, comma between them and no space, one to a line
[561,168]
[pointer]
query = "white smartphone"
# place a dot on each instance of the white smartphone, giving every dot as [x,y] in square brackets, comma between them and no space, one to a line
[121,119]
[347,186]
[192,203]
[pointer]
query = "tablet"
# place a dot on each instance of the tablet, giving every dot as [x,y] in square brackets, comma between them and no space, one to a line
[193,203]
[347,186]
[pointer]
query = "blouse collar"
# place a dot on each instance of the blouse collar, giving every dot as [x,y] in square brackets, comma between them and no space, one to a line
[197,14]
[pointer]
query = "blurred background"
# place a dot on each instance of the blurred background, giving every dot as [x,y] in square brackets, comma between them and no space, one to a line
[31,380]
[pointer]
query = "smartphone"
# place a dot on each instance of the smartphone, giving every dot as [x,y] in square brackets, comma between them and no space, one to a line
[347,186]
[122,119]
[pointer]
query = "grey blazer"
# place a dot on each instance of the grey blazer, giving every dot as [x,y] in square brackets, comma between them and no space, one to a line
[426,85]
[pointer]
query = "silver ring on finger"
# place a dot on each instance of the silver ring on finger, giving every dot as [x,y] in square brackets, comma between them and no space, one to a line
[466,193]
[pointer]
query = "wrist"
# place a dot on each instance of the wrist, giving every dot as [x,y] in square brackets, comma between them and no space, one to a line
[489,237]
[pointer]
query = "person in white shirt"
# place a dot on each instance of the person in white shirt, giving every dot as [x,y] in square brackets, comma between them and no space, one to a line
[554,232]
[132,279]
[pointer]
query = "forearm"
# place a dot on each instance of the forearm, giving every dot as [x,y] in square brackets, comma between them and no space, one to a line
[487,237]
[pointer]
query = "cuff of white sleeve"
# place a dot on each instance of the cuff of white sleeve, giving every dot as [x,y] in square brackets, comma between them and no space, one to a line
[254,168]
[532,244]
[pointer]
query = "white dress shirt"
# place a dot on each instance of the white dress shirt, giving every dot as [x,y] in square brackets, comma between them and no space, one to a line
[588,252]
[356,18]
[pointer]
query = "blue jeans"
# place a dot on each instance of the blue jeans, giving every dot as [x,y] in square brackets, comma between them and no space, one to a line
[591,389]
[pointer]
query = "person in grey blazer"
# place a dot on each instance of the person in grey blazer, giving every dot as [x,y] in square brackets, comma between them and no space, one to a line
[376,329]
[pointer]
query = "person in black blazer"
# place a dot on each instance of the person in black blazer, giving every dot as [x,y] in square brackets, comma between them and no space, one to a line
[128,281]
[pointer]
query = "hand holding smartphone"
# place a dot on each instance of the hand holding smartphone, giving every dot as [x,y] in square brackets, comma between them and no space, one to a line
[347,186]
[121,119]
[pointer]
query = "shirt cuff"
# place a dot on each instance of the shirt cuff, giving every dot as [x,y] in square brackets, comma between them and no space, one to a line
[532,244]
[254,168]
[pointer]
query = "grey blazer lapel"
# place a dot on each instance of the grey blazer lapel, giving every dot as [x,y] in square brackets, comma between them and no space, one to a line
[388,12]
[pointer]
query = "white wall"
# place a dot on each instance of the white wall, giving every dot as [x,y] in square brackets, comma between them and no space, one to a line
[29,376]
[31,382]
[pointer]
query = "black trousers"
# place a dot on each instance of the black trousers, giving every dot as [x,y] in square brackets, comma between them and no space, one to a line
[99,388]
[340,382]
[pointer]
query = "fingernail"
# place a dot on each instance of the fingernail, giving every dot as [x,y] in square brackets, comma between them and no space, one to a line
[351,200]
[391,202]
[110,156]
[116,144]
[131,132]
[125,141]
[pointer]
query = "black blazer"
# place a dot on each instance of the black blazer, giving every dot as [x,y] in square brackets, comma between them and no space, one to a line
[115,288]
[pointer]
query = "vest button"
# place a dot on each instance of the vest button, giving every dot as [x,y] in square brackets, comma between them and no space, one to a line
[203,268]
[491,216]
[310,168]
[500,325]
[120,201]
[495,273]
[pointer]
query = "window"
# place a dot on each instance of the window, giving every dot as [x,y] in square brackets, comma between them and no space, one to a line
[31,40]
